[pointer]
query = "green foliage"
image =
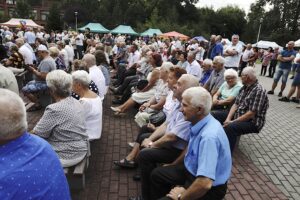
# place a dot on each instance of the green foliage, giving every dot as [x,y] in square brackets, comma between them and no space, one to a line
[54,21]
[23,9]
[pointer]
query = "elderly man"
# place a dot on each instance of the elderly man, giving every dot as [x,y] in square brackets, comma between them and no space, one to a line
[25,51]
[216,78]
[233,53]
[30,36]
[218,48]
[193,66]
[46,65]
[286,58]
[165,145]
[206,167]
[29,167]
[248,113]
[247,54]
[95,73]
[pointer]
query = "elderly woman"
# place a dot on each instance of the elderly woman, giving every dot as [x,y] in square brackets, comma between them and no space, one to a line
[91,102]
[54,53]
[156,87]
[226,94]
[170,105]
[63,122]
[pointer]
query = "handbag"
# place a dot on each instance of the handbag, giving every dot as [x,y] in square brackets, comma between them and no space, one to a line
[158,118]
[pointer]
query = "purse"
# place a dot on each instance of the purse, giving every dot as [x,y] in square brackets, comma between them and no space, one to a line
[158,118]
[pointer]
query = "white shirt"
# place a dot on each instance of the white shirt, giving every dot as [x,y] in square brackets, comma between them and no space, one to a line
[79,39]
[194,69]
[27,55]
[98,78]
[70,51]
[178,45]
[133,58]
[40,35]
[296,58]
[29,37]
[246,55]
[233,61]
[93,116]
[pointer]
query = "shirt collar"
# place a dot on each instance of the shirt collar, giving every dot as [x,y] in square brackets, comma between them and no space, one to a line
[15,142]
[195,130]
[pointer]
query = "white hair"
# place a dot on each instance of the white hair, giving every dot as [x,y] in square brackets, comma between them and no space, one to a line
[250,72]
[208,61]
[199,97]
[13,114]
[54,51]
[190,80]
[167,66]
[219,59]
[59,82]
[89,59]
[230,72]
[81,77]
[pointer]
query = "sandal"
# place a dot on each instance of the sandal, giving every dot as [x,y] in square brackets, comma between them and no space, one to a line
[34,108]
[115,109]
[119,114]
[125,163]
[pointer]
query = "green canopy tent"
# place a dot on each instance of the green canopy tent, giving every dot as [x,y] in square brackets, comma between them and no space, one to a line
[123,29]
[95,28]
[151,31]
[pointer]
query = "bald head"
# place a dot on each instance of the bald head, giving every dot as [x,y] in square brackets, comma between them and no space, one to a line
[184,82]
[13,122]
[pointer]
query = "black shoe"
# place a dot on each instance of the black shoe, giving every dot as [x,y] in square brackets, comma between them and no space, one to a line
[284,99]
[117,101]
[270,92]
[292,77]
[295,100]
[136,177]
[135,198]
[280,94]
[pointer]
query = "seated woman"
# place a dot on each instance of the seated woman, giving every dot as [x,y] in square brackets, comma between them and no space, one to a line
[63,122]
[156,103]
[54,53]
[145,94]
[169,106]
[226,94]
[91,102]
[182,59]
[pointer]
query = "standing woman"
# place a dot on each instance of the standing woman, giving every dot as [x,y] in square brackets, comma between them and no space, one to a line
[266,60]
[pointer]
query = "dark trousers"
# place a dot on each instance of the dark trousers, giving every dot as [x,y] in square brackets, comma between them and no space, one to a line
[80,51]
[126,82]
[263,70]
[148,159]
[272,68]
[127,93]
[243,65]
[163,179]
[234,129]
[144,133]
[122,73]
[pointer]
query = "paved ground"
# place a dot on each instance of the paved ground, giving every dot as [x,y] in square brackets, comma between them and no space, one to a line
[266,166]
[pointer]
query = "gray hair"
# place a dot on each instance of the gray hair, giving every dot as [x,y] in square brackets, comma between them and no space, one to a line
[250,72]
[191,80]
[53,51]
[167,66]
[89,59]
[230,72]
[20,41]
[219,59]
[59,82]
[13,114]
[81,77]
[199,97]
[208,61]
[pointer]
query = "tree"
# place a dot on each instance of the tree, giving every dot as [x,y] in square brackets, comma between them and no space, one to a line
[54,20]
[23,9]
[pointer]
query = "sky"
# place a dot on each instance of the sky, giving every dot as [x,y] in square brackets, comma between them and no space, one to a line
[216,4]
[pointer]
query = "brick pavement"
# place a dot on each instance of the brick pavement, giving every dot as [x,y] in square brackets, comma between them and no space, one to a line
[265,167]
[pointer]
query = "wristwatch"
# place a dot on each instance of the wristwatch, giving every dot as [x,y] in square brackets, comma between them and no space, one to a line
[179,197]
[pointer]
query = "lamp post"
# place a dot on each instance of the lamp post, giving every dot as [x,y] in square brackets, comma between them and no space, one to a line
[260,22]
[76,13]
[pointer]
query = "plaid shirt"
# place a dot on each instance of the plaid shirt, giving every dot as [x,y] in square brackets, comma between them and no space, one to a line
[253,98]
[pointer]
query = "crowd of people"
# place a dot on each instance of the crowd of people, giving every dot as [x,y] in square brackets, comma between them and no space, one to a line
[195,99]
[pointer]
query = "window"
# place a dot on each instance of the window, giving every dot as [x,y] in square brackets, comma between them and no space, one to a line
[34,15]
[11,1]
[44,15]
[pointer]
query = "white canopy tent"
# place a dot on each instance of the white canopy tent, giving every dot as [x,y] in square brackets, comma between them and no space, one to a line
[15,22]
[266,44]
[297,43]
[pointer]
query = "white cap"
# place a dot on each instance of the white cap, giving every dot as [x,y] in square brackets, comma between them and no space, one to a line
[42,48]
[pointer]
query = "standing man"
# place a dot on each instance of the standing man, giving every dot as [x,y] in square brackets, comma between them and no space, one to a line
[206,167]
[247,54]
[233,53]
[218,48]
[193,66]
[79,44]
[273,63]
[285,57]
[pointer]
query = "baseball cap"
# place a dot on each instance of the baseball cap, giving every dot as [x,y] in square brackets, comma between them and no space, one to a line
[42,48]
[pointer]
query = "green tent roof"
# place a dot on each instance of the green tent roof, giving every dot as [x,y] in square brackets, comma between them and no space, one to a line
[151,31]
[95,28]
[122,29]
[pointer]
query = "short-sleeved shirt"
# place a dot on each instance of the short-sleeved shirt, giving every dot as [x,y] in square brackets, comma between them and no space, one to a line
[8,80]
[208,151]
[63,126]
[215,80]
[287,53]
[229,92]
[30,169]
[253,98]
[170,104]
[47,65]
[177,125]
[233,61]
[217,50]
[194,69]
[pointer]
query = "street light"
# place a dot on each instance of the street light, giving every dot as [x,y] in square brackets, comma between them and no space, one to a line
[76,13]
[260,22]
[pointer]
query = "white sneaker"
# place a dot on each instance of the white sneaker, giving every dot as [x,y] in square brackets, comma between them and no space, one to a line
[115,109]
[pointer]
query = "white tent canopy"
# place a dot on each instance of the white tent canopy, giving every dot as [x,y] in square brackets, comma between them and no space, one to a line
[15,22]
[297,43]
[266,44]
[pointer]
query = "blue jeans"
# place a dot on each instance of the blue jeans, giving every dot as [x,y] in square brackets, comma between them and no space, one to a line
[282,72]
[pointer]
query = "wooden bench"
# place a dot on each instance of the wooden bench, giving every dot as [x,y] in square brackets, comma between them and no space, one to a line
[76,174]
[21,79]
[44,98]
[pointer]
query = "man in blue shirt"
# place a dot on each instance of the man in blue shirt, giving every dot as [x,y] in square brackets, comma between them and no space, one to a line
[29,168]
[217,49]
[207,162]
[285,57]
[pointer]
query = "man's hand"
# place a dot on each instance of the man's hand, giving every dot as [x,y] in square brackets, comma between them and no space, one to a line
[227,122]
[144,106]
[173,194]
[146,143]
